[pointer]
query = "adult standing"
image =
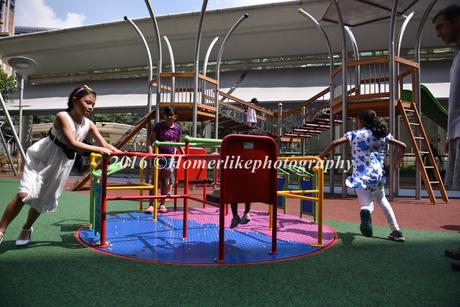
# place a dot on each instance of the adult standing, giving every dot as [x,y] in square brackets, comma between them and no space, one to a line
[447,25]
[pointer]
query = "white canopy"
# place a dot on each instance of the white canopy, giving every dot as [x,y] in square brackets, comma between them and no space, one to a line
[110,56]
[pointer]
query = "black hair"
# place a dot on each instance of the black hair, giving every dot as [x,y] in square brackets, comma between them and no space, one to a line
[371,121]
[254,100]
[169,111]
[78,93]
[449,13]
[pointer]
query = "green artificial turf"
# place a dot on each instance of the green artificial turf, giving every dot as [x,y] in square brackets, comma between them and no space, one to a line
[55,270]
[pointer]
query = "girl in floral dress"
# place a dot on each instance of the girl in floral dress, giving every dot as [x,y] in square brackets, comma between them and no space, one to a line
[368,147]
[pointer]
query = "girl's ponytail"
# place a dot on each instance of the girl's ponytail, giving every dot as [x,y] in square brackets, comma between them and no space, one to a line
[371,121]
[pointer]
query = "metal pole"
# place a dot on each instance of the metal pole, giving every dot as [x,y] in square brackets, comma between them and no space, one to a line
[208,53]
[5,145]
[173,68]
[197,68]
[219,60]
[280,124]
[303,113]
[149,58]
[7,19]
[331,91]
[354,45]
[344,90]
[160,60]
[418,40]
[402,30]
[21,97]
[10,123]
[393,90]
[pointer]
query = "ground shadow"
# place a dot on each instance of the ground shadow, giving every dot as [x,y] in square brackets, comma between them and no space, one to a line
[347,238]
[451,227]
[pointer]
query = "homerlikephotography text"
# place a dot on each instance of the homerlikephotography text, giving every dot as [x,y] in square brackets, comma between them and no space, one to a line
[231,162]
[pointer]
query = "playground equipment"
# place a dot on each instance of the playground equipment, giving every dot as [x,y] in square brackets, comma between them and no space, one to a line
[99,195]
[95,214]
[242,185]
[431,107]
[314,194]
[198,174]
[375,83]
[301,178]
[238,184]
[194,95]
[7,151]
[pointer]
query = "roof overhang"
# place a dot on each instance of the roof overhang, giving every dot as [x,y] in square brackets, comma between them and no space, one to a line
[272,30]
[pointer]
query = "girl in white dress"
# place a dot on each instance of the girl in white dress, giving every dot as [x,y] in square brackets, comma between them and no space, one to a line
[49,161]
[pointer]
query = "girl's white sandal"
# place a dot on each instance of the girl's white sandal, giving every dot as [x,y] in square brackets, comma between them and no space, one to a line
[26,241]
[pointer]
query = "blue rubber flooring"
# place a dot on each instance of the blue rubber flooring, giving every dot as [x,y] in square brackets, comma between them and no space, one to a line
[135,235]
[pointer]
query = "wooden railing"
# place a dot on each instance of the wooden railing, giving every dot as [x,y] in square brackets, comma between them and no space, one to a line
[235,108]
[306,111]
[368,79]
[179,88]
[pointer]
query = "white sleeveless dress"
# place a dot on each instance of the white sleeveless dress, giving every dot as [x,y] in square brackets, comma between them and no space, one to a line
[47,168]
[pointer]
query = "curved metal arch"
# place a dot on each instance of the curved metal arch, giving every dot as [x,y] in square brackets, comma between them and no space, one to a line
[418,41]
[149,57]
[197,68]
[354,45]
[331,91]
[393,89]
[402,30]
[160,60]
[219,60]
[173,68]
[344,88]
[208,53]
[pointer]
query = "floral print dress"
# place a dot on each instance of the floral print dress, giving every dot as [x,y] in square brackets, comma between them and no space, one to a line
[368,155]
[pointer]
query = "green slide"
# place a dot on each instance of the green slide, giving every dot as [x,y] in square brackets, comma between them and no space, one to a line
[430,106]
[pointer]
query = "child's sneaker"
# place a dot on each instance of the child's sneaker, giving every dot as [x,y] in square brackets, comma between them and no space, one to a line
[366,222]
[149,210]
[235,221]
[245,219]
[396,235]
[162,209]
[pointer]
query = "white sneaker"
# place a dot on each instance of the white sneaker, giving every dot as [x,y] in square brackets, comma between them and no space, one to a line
[1,237]
[20,242]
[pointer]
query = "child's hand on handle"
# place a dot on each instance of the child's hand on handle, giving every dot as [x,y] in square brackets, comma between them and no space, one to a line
[105,151]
